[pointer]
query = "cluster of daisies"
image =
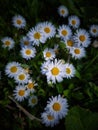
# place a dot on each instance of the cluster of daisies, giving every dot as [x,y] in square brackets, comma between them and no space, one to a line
[75,40]
[25,84]
[55,110]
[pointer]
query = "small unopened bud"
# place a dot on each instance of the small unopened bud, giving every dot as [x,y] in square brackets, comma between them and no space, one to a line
[50,83]
[95,43]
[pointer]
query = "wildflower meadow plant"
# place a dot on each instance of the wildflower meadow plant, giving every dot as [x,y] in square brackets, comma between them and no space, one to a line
[46,62]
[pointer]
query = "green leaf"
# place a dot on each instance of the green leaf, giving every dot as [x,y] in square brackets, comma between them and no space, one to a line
[66,92]
[81,119]
[71,86]
[78,74]
[78,96]
[59,88]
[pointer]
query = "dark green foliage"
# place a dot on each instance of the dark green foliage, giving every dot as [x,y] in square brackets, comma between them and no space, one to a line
[81,119]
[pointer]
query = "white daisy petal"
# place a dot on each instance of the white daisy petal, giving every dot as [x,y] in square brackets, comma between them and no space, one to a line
[63,11]
[28,52]
[12,69]
[74,21]
[93,30]
[48,29]
[78,52]
[22,77]
[35,36]
[69,43]
[20,93]
[57,106]
[55,71]
[19,21]
[48,54]
[31,86]
[64,31]
[82,38]
[24,41]
[44,67]
[49,120]
[69,70]
[32,101]
[8,42]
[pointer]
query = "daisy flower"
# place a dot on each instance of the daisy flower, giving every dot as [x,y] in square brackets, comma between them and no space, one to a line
[12,69]
[69,70]
[48,54]
[64,32]
[49,120]
[18,21]
[74,21]
[24,41]
[22,77]
[82,38]
[8,42]
[28,52]
[39,25]
[93,30]
[69,43]
[44,67]
[36,37]
[48,29]
[63,11]
[78,52]
[31,85]
[57,106]
[55,71]
[20,93]
[32,101]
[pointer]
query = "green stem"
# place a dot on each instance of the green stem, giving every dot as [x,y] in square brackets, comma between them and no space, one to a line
[91,62]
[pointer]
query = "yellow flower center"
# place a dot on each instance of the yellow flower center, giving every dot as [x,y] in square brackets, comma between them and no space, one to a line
[47,30]
[21,92]
[50,117]
[26,43]
[21,76]
[28,52]
[64,32]
[68,71]
[13,69]
[62,11]
[77,51]
[82,38]
[48,54]
[94,30]
[30,85]
[34,100]
[56,106]
[37,35]
[19,21]
[73,22]
[7,43]
[55,71]
[70,43]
